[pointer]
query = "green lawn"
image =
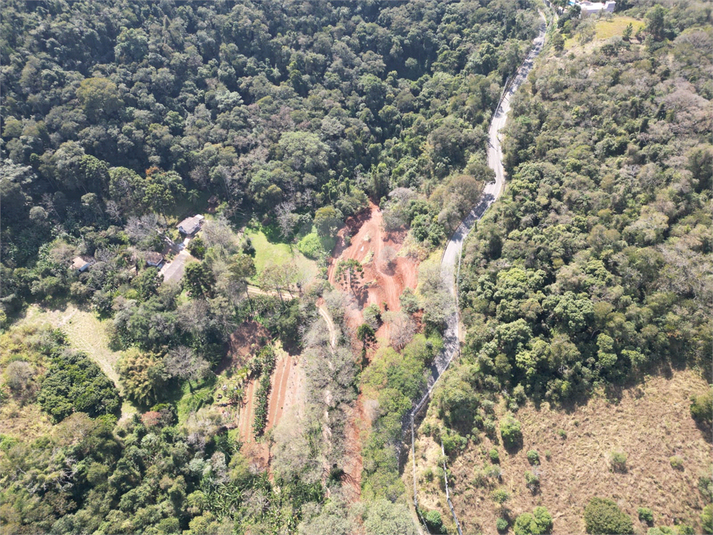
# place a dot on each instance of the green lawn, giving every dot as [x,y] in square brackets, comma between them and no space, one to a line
[608,28]
[269,254]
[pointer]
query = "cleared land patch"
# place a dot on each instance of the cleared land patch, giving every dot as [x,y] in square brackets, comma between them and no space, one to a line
[278,254]
[608,28]
[650,423]
[85,332]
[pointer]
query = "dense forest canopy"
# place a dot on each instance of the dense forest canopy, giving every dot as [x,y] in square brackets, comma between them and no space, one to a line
[289,120]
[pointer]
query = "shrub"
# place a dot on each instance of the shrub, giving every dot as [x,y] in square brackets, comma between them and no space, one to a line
[310,246]
[372,316]
[532,481]
[409,301]
[492,471]
[494,456]
[434,521]
[197,247]
[428,474]
[707,518]
[562,434]
[539,522]
[489,426]
[603,517]
[617,459]
[676,462]
[702,407]
[500,496]
[533,457]
[501,524]
[646,515]
[511,431]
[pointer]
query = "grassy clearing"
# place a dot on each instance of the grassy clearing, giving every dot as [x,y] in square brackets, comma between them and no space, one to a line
[270,254]
[608,28]
[85,332]
[650,423]
[601,29]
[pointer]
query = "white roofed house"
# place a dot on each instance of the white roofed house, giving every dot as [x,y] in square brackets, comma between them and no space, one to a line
[189,226]
[591,8]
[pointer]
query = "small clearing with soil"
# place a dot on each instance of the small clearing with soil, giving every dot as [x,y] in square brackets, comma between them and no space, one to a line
[379,284]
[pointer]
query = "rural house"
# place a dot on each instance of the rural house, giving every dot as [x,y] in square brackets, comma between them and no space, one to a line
[190,225]
[154,259]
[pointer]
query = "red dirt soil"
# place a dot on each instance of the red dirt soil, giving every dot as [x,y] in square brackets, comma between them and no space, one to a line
[379,284]
[286,387]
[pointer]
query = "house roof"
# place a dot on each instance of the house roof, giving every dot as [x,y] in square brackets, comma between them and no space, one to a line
[78,262]
[154,258]
[190,224]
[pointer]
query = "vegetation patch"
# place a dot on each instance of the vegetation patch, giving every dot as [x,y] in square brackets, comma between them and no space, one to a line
[651,423]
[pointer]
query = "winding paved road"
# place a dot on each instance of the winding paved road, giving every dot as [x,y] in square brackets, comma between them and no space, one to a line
[450,263]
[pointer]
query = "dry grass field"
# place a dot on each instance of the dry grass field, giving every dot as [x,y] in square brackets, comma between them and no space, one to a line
[650,423]
[84,331]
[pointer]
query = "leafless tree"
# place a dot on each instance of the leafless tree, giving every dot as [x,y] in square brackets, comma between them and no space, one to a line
[285,218]
[402,328]
[218,233]
[142,228]
[387,256]
[113,210]
[183,363]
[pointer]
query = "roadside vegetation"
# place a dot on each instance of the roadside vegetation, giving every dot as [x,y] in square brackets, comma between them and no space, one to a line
[592,274]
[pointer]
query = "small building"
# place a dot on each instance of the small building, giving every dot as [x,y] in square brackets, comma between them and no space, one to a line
[190,225]
[592,8]
[82,263]
[154,259]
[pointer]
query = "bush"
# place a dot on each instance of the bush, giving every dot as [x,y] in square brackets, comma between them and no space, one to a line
[646,515]
[409,301]
[707,518]
[533,457]
[676,462]
[501,524]
[617,459]
[603,517]
[310,246]
[532,481]
[197,247]
[372,316]
[511,431]
[500,496]
[434,521]
[494,456]
[702,407]
[537,523]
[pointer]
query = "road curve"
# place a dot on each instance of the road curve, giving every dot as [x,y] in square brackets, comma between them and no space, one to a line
[450,263]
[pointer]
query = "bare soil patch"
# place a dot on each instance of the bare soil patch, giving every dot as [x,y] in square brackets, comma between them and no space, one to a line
[650,423]
[380,284]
